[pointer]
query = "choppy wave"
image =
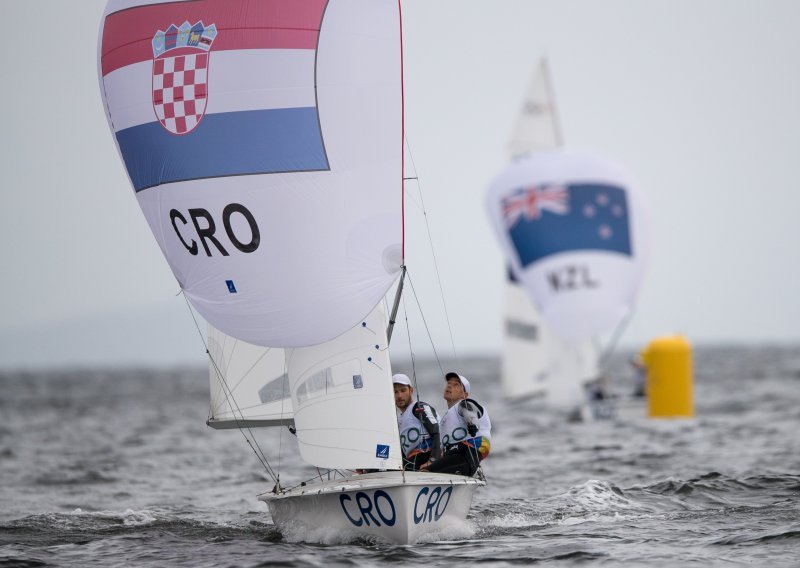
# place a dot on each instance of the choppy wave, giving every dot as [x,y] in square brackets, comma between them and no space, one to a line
[138,479]
[80,526]
[792,534]
[74,478]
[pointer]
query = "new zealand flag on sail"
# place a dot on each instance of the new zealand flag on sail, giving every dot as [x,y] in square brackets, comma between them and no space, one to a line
[547,220]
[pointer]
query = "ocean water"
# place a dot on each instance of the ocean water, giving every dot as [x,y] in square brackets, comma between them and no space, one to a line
[117,468]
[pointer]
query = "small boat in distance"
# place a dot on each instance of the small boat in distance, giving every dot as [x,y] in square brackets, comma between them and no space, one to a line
[571,227]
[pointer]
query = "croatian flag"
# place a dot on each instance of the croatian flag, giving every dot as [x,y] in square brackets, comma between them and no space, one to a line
[543,221]
[211,88]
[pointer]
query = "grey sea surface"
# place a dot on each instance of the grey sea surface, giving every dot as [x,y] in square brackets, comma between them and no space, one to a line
[117,468]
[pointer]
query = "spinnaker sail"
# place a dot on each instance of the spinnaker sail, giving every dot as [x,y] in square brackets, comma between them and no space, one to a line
[263,141]
[572,227]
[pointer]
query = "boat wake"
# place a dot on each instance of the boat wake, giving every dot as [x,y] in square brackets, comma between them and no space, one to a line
[592,501]
[597,501]
[298,533]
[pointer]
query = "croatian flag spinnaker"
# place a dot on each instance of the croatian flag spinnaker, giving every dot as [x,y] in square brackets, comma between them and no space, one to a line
[263,141]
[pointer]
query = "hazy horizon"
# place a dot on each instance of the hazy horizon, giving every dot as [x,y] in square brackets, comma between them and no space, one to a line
[697,100]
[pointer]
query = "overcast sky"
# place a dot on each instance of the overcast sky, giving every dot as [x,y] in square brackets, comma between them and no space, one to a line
[698,99]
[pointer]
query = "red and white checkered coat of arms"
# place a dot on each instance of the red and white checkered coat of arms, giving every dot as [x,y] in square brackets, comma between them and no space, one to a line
[180,75]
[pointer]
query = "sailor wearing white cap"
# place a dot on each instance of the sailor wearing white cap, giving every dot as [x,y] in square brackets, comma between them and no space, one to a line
[466,430]
[418,424]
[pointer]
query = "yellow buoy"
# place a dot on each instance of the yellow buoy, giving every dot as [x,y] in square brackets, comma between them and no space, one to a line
[669,377]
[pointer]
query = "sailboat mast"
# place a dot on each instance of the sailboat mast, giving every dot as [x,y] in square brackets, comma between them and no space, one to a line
[399,293]
[395,306]
[402,152]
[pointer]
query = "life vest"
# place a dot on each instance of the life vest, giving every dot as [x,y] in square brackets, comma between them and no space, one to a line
[414,438]
[455,426]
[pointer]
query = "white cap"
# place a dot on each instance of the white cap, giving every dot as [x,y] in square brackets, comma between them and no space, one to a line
[464,381]
[401,379]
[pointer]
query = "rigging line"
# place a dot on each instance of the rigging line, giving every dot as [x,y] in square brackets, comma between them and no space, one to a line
[411,351]
[259,454]
[433,252]
[253,366]
[612,343]
[238,419]
[414,200]
[226,390]
[283,399]
[335,472]
[419,306]
[228,396]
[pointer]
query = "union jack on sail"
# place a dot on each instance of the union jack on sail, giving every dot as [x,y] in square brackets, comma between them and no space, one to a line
[529,202]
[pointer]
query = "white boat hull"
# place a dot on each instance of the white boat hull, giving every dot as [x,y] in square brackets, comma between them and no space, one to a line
[393,506]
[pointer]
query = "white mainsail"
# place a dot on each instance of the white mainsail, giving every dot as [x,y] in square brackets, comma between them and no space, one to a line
[343,399]
[537,127]
[249,384]
[535,361]
[338,394]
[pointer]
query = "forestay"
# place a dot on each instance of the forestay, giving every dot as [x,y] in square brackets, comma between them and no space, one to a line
[263,141]
[572,227]
[343,399]
[249,383]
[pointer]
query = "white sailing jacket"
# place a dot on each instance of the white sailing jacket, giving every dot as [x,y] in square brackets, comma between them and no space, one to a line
[455,426]
[415,438]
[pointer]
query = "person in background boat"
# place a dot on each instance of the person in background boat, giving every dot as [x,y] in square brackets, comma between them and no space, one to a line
[597,389]
[639,376]
[418,424]
[466,430]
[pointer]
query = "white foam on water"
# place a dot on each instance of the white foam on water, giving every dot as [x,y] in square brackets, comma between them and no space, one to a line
[512,520]
[596,518]
[129,517]
[295,532]
[137,518]
[594,501]
[457,529]
[597,495]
